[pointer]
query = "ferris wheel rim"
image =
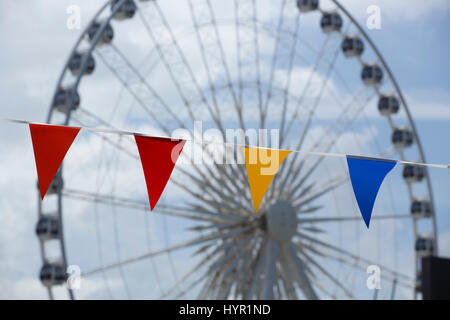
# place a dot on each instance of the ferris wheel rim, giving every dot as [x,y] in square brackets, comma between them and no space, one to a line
[97,38]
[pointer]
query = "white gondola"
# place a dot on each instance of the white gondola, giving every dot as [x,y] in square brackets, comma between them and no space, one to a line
[352,46]
[126,11]
[307,5]
[107,34]
[371,74]
[53,274]
[424,246]
[412,173]
[331,22]
[62,100]
[402,138]
[388,105]
[76,60]
[421,208]
[47,227]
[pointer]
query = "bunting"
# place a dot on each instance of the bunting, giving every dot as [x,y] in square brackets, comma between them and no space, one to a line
[159,155]
[50,145]
[367,175]
[262,165]
[158,158]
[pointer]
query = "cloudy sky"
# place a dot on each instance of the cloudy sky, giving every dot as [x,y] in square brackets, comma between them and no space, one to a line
[35,45]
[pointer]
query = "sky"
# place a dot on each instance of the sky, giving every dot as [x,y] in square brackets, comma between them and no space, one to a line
[35,45]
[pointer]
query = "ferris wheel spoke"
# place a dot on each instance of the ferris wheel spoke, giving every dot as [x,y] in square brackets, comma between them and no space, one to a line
[206,186]
[257,270]
[350,255]
[110,142]
[105,199]
[212,54]
[228,216]
[357,265]
[270,270]
[288,80]
[224,289]
[344,120]
[94,117]
[248,53]
[243,272]
[228,262]
[304,190]
[182,280]
[183,245]
[173,58]
[219,251]
[299,272]
[289,179]
[237,180]
[181,185]
[140,205]
[135,83]
[273,65]
[306,89]
[220,263]
[210,202]
[231,197]
[188,274]
[325,272]
[288,285]
[241,258]
[210,287]
[206,183]
[311,111]
[298,202]
[324,83]
[218,225]
[296,270]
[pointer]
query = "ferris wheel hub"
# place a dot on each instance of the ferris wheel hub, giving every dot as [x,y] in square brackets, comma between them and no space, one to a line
[281,221]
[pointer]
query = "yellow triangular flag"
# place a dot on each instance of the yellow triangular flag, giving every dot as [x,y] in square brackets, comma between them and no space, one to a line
[262,165]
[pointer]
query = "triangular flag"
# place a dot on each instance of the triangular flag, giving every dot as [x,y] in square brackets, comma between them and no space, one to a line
[367,175]
[158,158]
[50,145]
[262,165]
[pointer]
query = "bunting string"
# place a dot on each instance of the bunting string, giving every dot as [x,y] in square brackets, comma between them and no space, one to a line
[159,155]
[314,153]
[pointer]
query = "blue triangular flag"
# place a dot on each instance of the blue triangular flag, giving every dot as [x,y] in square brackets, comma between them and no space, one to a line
[367,175]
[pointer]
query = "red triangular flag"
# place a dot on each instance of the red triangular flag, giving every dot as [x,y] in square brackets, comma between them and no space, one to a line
[158,157]
[50,145]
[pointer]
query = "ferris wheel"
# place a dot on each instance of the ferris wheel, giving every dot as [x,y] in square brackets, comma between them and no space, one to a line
[305,68]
